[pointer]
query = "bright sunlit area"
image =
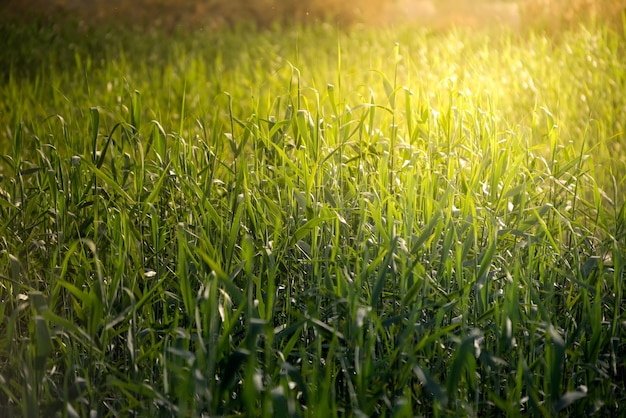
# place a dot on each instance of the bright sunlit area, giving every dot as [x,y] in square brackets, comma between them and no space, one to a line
[318,208]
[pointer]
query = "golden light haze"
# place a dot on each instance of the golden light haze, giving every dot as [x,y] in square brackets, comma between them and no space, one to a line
[439,14]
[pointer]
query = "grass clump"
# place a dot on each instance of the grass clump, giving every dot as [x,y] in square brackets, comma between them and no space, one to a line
[300,223]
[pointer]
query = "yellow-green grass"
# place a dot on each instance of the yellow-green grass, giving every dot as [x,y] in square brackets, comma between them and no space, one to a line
[305,222]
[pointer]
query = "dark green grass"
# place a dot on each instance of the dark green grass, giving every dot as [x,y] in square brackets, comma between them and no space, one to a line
[307,223]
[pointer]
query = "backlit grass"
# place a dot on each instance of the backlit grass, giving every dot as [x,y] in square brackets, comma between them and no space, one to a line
[312,223]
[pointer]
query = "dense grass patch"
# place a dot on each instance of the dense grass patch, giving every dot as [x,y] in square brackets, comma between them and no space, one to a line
[309,223]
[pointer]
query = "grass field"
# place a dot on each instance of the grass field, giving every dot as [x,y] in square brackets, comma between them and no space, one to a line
[312,222]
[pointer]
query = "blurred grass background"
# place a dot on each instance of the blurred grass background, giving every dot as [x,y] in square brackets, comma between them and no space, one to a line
[549,15]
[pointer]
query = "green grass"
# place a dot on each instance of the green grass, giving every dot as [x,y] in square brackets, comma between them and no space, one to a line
[312,223]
